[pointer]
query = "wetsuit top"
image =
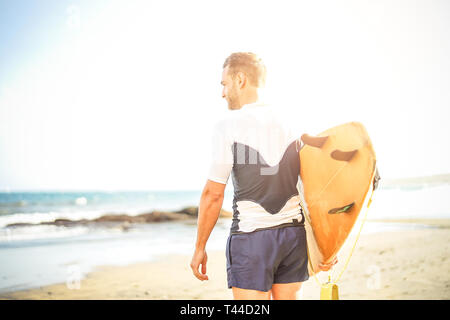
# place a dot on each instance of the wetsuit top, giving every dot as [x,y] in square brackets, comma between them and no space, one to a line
[258,149]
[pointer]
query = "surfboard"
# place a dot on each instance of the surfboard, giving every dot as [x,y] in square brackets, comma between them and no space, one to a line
[338,169]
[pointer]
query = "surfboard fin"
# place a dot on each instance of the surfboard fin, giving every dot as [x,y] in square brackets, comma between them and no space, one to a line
[376,179]
[312,141]
[343,155]
[346,208]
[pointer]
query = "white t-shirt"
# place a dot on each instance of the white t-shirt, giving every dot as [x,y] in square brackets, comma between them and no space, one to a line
[257,146]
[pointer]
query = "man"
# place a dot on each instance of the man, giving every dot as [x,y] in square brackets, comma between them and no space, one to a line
[266,249]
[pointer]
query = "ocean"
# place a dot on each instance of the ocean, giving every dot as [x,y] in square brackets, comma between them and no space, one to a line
[34,254]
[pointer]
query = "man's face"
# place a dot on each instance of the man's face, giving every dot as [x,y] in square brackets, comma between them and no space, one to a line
[230,91]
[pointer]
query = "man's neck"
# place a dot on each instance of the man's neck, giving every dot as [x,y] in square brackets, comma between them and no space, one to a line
[249,98]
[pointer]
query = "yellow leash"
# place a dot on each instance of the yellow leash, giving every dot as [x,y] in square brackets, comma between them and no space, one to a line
[357,237]
[329,289]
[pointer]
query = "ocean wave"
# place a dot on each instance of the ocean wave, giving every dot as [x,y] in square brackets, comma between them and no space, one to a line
[40,232]
[49,225]
[46,217]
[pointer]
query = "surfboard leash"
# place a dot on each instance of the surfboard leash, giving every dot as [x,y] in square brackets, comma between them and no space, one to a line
[357,237]
[331,285]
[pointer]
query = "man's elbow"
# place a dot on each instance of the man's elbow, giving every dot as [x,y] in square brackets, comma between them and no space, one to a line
[214,191]
[213,195]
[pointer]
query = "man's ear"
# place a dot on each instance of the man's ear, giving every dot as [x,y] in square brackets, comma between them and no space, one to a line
[241,79]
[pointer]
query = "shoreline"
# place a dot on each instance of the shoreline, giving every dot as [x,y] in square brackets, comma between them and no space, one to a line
[108,219]
[406,264]
[431,222]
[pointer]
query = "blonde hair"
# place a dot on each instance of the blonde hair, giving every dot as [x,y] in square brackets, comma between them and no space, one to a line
[248,63]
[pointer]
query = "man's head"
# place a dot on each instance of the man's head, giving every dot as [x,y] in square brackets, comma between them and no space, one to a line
[243,73]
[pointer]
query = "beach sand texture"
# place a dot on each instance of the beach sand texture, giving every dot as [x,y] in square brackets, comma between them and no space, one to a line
[412,264]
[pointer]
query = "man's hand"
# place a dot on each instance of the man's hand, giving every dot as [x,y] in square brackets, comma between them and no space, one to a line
[200,258]
[328,266]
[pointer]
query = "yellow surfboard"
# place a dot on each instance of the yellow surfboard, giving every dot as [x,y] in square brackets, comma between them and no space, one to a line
[338,169]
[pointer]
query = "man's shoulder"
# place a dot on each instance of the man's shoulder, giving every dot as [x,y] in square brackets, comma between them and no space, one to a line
[286,115]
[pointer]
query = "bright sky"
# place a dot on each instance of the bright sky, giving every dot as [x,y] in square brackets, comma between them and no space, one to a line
[123,94]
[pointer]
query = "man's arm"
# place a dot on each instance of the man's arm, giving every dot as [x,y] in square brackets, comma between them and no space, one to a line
[209,209]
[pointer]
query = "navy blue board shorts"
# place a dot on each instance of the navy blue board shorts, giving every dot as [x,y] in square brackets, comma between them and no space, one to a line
[259,259]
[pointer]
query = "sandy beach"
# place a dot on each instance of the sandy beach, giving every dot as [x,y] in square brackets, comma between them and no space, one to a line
[411,264]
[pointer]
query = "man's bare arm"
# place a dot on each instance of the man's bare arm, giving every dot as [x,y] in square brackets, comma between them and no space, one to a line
[209,209]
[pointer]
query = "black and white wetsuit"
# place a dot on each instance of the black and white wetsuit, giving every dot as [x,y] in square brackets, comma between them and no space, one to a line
[257,146]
